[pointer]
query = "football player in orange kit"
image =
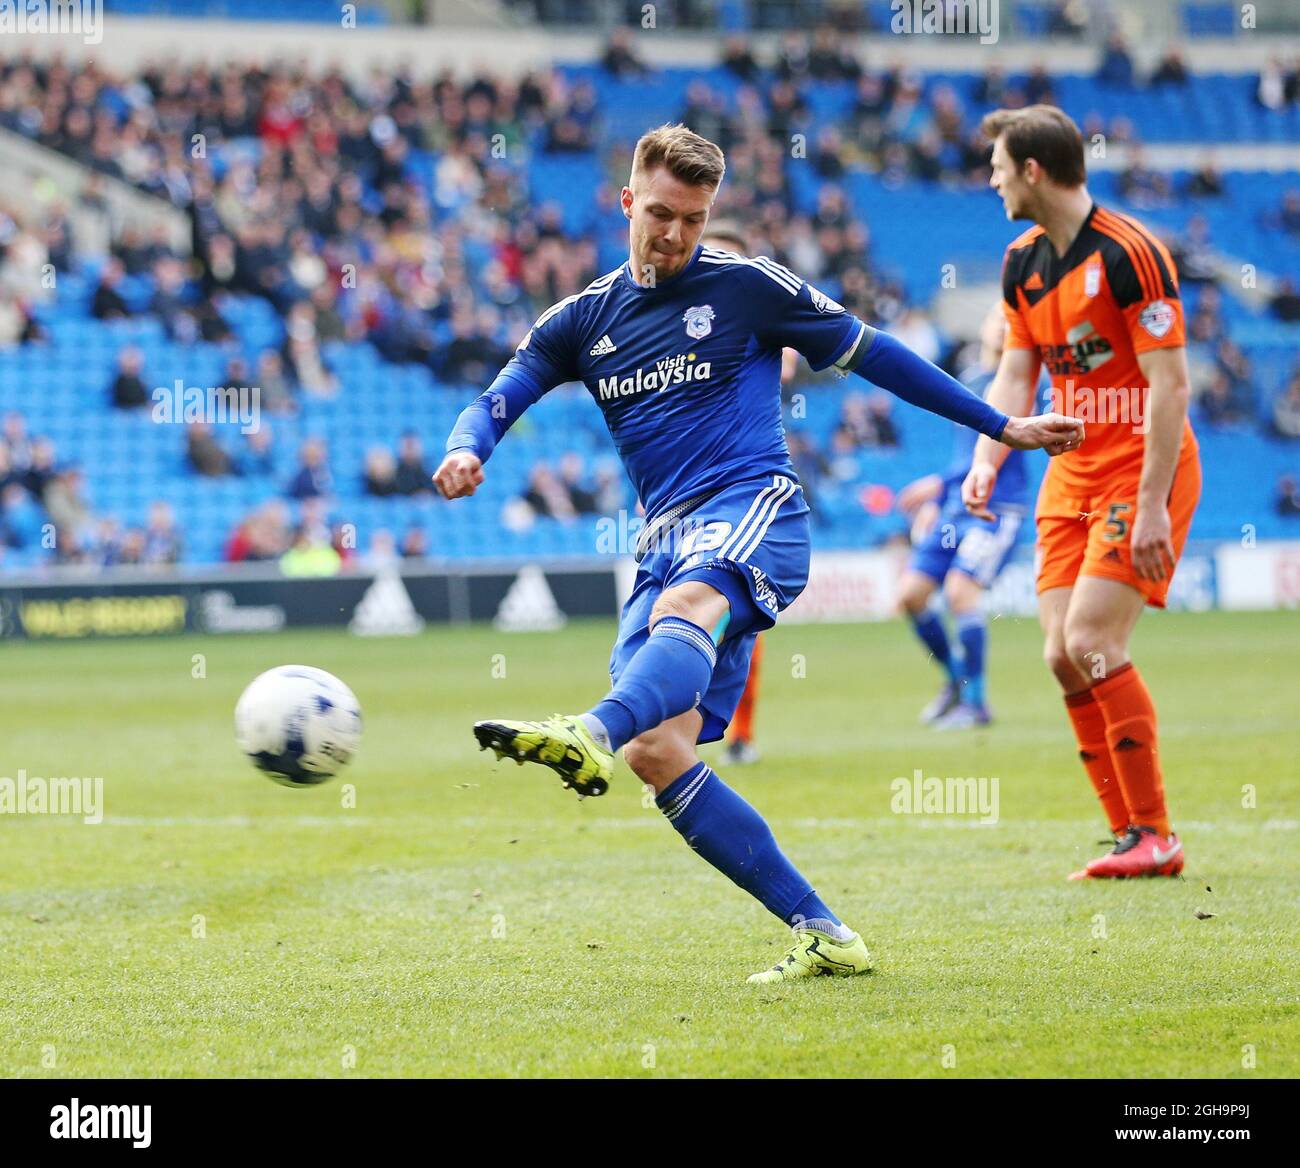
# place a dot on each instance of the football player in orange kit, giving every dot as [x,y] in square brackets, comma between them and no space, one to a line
[1094,295]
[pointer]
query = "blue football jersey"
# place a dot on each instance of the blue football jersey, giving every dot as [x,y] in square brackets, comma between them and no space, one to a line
[688,373]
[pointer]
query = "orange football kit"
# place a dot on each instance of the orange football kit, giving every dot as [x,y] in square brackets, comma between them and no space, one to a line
[742,725]
[1088,315]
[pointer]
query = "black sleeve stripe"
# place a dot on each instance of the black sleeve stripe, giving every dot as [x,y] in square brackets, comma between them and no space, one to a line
[1167,282]
[1121,271]
[1012,270]
[1168,279]
[1138,256]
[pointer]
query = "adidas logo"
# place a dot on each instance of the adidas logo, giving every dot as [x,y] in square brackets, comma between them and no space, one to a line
[603,347]
[529,605]
[1113,556]
[386,609]
[1034,283]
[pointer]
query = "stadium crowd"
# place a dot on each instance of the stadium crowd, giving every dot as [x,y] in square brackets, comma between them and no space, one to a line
[396,211]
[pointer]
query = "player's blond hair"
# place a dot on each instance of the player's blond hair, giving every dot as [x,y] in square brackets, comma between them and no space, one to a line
[690,159]
[1043,133]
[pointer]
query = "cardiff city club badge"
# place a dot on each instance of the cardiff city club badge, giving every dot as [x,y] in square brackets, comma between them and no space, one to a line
[699,321]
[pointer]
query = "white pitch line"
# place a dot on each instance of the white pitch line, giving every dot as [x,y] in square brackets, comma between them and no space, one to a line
[246,820]
[649,819]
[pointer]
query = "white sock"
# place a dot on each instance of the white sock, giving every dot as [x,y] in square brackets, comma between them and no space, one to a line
[821,925]
[597,729]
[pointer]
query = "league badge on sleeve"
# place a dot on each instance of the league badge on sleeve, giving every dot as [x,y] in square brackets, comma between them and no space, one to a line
[1157,318]
[822,302]
[699,321]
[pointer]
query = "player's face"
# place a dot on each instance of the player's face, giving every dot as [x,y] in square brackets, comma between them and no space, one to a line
[667,218]
[1010,183]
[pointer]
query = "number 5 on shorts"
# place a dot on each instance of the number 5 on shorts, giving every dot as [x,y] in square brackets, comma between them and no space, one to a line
[1116,524]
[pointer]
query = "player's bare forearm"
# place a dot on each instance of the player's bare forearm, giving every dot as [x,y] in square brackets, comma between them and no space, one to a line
[1166,413]
[1012,392]
[919,492]
[1152,545]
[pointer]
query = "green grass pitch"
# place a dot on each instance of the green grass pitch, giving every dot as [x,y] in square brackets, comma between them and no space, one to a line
[468,917]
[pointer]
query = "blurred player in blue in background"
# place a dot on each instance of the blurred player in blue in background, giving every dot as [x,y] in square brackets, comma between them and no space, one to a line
[962,555]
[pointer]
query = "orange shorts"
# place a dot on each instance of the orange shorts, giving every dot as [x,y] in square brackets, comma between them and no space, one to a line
[1086,531]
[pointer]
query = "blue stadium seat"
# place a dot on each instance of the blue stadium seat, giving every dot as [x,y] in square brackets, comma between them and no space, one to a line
[130,461]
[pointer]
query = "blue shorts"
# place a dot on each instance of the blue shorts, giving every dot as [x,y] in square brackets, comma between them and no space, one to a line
[963,543]
[752,543]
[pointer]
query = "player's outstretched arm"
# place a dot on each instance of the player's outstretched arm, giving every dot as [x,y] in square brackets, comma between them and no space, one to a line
[480,427]
[891,365]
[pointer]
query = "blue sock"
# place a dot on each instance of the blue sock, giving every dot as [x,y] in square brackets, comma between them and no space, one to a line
[929,627]
[734,838]
[972,631]
[667,676]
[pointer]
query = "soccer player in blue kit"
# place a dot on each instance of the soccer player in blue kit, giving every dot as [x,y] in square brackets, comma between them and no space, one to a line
[681,350]
[962,554]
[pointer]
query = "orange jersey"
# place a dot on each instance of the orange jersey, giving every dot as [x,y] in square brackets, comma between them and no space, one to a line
[1088,314]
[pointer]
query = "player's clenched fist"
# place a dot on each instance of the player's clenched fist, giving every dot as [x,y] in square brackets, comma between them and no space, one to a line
[459,475]
[977,488]
[1054,433]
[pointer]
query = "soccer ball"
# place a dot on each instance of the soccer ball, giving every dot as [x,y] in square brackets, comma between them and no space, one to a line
[298,724]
